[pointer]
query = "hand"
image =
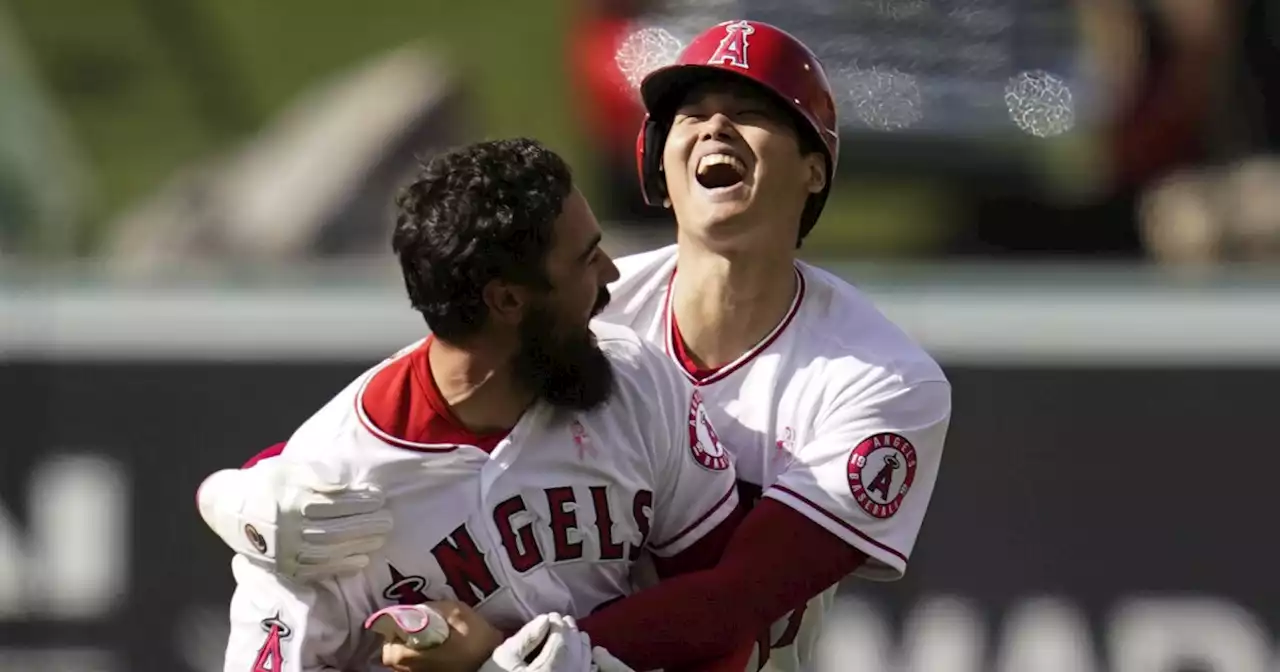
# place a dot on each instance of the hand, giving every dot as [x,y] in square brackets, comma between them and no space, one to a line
[558,644]
[470,643]
[417,626]
[286,517]
[605,662]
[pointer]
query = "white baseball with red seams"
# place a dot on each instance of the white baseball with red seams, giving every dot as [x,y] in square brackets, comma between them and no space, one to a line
[416,625]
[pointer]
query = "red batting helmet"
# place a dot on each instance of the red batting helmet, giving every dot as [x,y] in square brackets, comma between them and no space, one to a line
[755,52]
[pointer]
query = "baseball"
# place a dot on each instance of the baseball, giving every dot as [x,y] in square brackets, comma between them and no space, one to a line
[420,627]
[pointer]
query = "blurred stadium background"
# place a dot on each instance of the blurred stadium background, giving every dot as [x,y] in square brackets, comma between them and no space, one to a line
[1074,203]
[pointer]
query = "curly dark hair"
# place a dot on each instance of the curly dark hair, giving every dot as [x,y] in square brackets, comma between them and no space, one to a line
[478,213]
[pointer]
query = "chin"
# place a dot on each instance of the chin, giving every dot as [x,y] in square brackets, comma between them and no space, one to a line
[712,215]
[721,233]
[739,231]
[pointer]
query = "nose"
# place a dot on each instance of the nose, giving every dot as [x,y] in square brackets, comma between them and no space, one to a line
[610,271]
[718,127]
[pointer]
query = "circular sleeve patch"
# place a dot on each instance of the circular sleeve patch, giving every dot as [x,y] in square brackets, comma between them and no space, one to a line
[703,442]
[881,470]
[255,538]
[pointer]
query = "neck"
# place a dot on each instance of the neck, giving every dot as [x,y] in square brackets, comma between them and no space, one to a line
[478,386]
[726,304]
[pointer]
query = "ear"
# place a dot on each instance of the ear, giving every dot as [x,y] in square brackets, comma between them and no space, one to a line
[506,302]
[815,172]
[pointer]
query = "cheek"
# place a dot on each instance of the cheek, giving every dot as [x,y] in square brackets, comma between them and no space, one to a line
[584,296]
[778,159]
[674,158]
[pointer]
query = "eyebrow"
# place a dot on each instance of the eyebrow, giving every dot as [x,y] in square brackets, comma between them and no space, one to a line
[595,242]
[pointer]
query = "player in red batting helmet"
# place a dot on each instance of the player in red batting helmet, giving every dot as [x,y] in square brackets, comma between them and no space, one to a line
[712,146]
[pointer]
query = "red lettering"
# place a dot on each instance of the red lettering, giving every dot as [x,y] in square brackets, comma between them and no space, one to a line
[641,510]
[464,567]
[563,519]
[609,549]
[270,656]
[522,545]
[794,620]
[762,648]
[733,48]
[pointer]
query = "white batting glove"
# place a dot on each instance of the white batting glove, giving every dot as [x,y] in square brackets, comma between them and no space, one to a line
[287,518]
[564,648]
[605,662]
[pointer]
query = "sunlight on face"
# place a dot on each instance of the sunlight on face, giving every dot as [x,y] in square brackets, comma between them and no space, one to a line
[734,167]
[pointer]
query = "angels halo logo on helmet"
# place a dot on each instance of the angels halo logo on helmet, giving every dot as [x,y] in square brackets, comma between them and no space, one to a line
[760,53]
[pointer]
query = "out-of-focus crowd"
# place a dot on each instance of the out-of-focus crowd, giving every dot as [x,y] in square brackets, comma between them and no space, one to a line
[1174,156]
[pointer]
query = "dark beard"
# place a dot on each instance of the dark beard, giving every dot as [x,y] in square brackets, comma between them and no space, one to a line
[568,371]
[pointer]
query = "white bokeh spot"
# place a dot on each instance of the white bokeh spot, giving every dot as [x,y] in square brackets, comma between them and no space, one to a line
[644,51]
[897,9]
[1040,103]
[882,98]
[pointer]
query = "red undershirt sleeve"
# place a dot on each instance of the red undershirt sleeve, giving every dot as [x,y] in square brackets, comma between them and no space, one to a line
[775,562]
[265,454]
[707,551]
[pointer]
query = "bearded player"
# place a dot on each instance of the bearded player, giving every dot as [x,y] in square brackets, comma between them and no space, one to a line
[536,456]
[835,418]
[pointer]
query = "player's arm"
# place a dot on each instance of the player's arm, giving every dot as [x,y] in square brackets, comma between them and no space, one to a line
[695,503]
[281,626]
[776,560]
[696,488]
[266,454]
[810,531]
[285,518]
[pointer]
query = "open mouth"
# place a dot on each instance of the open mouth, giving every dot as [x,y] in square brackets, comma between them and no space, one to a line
[720,171]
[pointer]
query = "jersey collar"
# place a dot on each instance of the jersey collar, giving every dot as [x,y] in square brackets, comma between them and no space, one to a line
[673,342]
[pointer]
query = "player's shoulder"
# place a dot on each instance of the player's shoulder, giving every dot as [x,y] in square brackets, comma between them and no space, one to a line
[637,363]
[644,263]
[642,279]
[649,394]
[626,350]
[337,434]
[843,326]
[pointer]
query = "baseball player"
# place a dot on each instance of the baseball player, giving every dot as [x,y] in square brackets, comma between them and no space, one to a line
[536,454]
[835,419]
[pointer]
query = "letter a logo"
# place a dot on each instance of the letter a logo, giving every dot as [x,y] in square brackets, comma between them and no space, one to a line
[733,47]
[271,655]
[884,480]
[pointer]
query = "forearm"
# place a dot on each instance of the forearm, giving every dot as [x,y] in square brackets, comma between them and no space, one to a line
[777,561]
[284,626]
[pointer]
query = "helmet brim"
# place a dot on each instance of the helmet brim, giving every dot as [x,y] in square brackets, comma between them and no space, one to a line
[663,89]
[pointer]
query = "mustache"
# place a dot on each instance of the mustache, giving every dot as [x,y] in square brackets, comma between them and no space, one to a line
[602,301]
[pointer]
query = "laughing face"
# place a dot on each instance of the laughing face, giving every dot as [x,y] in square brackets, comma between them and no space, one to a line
[735,169]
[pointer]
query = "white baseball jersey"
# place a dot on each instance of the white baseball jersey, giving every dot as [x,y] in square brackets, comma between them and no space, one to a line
[836,413]
[552,518]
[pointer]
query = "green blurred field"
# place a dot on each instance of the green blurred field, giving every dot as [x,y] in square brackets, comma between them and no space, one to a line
[149,85]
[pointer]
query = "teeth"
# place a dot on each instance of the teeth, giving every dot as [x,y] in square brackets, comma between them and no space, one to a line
[717,159]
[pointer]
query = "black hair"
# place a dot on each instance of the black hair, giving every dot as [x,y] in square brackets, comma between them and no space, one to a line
[475,214]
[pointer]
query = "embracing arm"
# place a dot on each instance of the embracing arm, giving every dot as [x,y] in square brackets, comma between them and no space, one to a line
[851,503]
[776,561]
